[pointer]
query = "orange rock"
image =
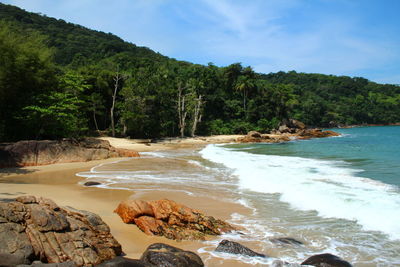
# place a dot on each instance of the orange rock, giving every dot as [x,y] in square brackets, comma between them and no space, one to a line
[149,225]
[170,219]
[129,210]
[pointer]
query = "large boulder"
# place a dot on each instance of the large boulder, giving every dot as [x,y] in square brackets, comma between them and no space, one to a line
[34,153]
[34,228]
[232,247]
[170,219]
[326,260]
[168,256]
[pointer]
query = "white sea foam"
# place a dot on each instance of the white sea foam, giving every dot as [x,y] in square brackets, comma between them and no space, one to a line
[328,187]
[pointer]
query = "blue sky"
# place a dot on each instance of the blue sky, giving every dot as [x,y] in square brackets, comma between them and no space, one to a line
[340,37]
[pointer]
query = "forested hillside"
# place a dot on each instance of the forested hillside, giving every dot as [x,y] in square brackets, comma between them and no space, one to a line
[59,79]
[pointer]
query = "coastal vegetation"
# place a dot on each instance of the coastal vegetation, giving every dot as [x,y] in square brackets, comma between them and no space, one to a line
[59,79]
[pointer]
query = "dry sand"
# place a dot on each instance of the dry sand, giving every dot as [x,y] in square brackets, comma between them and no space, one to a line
[59,182]
[145,145]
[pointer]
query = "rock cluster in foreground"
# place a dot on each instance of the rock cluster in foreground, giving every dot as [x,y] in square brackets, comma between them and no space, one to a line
[170,219]
[44,152]
[35,228]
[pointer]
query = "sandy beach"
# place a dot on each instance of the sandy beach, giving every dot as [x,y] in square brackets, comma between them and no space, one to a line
[59,183]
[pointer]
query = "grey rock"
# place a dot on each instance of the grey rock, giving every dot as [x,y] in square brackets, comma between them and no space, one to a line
[123,262]
[286,241]
[232,247]
[326,260]
[164,255]
[34,228]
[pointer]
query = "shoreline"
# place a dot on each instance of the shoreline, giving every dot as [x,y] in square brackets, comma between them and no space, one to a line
[60,183]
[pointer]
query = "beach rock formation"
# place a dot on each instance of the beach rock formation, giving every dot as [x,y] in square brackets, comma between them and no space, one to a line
[316,133]
[35,228]
[160,254]
[256,137]
[34,153]
[170,219]
[286,241]
[232,247]
[326,260]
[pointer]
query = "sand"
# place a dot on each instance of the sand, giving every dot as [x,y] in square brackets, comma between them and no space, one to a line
[59,182]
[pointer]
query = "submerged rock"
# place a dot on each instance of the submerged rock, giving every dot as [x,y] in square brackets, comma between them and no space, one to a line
[286,241]
[170,219]
[326,260]
[34,228]
[232,247]
[165,255]
[34,153]
[91,183]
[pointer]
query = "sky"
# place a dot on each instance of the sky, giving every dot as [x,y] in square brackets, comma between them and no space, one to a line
[340,37]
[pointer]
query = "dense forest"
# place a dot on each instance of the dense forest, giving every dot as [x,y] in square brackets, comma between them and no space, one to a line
[59,79]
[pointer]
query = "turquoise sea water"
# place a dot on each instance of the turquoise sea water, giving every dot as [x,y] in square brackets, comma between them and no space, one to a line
[375,151]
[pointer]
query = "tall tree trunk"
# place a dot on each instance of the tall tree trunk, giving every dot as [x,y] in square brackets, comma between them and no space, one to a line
[117,78]
[182,112]
[94,118]
[197,114]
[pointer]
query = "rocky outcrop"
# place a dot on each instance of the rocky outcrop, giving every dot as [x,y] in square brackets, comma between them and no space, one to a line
[165,255]
[34,228]
[315,133]
[34,153]
[288,130]
[232,247]
[326,260]
[256,137]
[170,219]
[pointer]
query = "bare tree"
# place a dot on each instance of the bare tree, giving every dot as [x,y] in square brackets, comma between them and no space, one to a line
[182,111]
[197,113]
[117,78]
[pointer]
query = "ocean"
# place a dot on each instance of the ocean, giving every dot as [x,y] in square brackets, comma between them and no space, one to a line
[338,195]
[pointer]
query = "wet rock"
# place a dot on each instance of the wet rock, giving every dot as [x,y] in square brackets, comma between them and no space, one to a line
[43,152]
[326,260]
[123,262]
[168,256]
[91,183]
[286,241]
[35,228]
[280,263]
[232,247]
[170,219]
